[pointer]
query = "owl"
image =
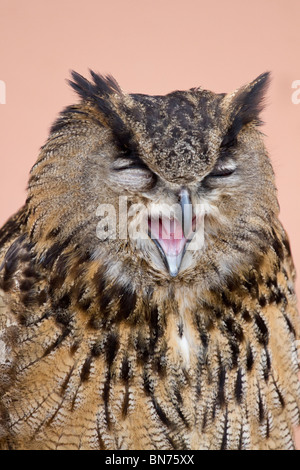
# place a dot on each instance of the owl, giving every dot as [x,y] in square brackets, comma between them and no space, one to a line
[147,286]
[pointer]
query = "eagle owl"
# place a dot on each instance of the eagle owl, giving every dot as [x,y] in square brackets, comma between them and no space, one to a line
[147,297]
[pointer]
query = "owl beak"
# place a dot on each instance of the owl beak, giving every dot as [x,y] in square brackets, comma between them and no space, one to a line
[172,260]
[171,236]
[187,212]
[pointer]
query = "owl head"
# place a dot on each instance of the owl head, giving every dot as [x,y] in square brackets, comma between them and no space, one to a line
[155,188]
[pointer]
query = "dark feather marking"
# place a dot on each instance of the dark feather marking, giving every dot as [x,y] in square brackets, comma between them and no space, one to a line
[66,118]
[218,312]
[125,403]
[73,403]
[11,260]
[203,330]
[105,395]
[250,358]
[251,284]
[147,383]
[180,329]
[277,245]
[178,396]
[57,342]
[234,329]
[74,347]
[239,387]
[267,427]
[65,383]
[236,308]
[6,284]
[127,303]
[99,280]
[280,297]
[42,297]
[262,332]
[160,364]
[224,442]
[56,282]
[49,420]
[53,233]
[160,412]
[182,417]
[62,265]
[172,443]
[101,442]
[142,348]
[221,383]
[226,299]
[31,272]
[289,325]
[261,410]
[86,369]
[105,300]
[63,317]
[241,439]
[235,351]
[280,396]
[287,246]
[97,349]
[61,303]
[125,369]
[111,348]
[53,253]
[262,301]
[267,367]
[9,229]
[204,420]
[33,297]
[85,304]
[26,319]
[246,315]
[156,329]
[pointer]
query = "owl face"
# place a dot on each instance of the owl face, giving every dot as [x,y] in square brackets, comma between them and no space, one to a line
[182,183]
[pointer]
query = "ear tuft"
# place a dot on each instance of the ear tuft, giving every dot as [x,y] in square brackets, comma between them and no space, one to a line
[245,106]
[101,92]
[100,87]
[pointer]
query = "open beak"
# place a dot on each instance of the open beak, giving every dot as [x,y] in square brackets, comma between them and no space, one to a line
[171,235]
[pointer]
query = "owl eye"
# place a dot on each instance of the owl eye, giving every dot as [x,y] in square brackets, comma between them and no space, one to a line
[122,164]
[223,170]
[132,174]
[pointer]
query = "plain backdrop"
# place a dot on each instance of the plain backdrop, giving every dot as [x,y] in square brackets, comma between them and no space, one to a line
[150,46]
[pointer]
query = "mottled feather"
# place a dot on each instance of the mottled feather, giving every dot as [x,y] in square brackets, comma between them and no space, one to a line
[101,347]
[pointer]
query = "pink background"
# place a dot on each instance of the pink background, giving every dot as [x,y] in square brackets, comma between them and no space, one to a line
[150,46]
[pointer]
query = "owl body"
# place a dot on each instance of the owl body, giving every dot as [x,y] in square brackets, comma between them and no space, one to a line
[185,341]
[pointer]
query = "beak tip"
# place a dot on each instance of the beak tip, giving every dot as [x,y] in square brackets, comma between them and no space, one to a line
[174,263]
[173,273]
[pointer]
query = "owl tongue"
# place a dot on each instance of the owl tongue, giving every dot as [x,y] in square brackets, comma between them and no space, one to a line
[169,237]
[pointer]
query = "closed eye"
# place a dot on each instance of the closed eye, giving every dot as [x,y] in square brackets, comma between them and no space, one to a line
[223,170]
[132,174]
[129,163]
